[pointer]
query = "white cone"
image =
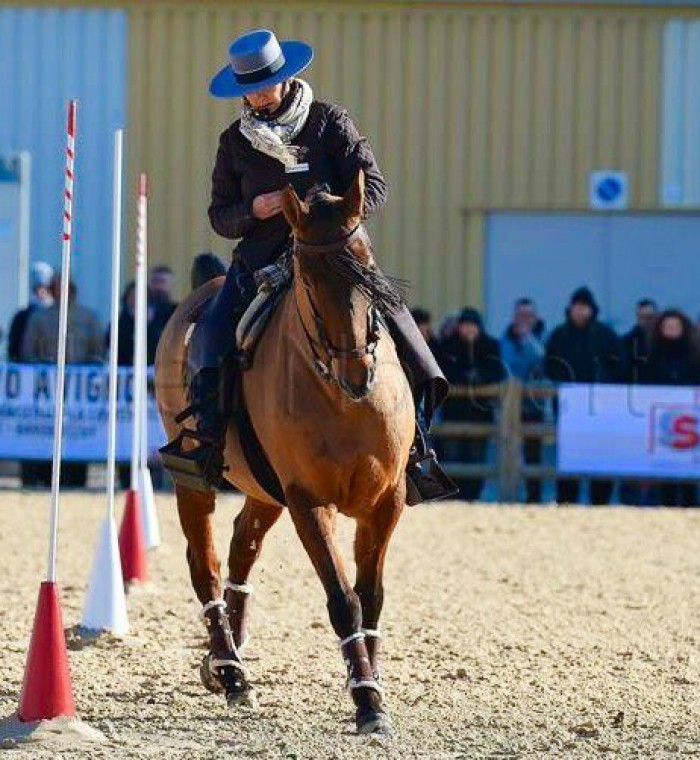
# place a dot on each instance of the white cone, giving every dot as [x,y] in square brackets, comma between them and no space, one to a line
[149,516]
[105,604]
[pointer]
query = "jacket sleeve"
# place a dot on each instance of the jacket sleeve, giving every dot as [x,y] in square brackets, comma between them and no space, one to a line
[29,351]
[14,340]
[351,152]
[556,367]
[230,215]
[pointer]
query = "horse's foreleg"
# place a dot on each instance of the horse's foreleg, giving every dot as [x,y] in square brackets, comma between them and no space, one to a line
[250,528]
[222,669]
[315,526]
[371,542]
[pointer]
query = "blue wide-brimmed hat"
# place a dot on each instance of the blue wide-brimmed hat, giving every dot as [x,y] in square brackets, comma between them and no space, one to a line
[259,60]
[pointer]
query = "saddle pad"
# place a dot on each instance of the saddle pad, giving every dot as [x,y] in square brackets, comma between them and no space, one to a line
[252,449]
[254,453]
[255,318]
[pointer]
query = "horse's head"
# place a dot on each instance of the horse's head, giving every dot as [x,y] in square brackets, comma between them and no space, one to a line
[339,287]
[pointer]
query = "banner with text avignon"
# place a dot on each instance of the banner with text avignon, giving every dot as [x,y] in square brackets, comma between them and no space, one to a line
[27,406]
[642,430]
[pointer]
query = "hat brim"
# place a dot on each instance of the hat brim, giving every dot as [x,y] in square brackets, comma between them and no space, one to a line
[297,56]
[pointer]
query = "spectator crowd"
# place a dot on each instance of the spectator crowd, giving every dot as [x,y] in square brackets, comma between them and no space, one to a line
[663,348]
[33,337]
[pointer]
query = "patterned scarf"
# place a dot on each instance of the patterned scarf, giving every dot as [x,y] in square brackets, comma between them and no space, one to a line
[273,137]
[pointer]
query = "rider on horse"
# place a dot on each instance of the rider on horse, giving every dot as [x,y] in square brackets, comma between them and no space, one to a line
[283,128]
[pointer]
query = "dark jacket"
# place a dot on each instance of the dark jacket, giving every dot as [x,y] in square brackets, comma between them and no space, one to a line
[477,363]
[17,328]
[636,348]
[592,354]
[335,153]
[158,315]
[671,362]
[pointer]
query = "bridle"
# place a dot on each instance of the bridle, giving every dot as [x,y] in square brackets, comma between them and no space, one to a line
[331,352]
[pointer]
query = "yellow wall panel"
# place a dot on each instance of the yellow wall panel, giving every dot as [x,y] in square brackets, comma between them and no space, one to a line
[469,106]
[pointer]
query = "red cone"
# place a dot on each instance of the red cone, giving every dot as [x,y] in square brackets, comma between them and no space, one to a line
[132,545]
[47,691]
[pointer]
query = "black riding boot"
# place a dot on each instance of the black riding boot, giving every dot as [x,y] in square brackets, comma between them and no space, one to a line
[425,478]
[200,467]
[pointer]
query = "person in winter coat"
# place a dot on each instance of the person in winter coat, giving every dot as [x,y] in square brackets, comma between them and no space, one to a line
[84,345]
[470,357]
[674,359]
[41,274]
[522,351]
[636,341]
[283,127]
[583,350]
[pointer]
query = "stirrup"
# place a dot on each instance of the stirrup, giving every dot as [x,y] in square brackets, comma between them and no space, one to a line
[425,478]
[427,481]
[200,468]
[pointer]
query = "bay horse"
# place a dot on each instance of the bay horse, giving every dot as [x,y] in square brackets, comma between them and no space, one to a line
[334,412]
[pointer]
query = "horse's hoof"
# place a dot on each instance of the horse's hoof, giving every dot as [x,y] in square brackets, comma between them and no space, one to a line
[243,697]
[210,680]
[373,722]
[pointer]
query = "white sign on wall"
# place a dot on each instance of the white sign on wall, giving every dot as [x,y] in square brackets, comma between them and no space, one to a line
[27,408]
[641,430]
[608,190]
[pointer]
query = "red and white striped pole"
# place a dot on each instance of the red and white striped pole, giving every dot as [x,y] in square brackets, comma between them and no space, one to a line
[132,542]
[151,530]
[47,691]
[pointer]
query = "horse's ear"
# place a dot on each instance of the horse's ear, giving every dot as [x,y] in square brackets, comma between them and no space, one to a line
[354,199]
[292,208]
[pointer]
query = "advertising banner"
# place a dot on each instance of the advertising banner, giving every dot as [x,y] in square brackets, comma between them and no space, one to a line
[639,430]
[27,405]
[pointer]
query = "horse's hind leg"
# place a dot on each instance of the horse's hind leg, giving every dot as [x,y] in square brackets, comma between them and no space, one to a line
[371,542]
[315,526]
[222,669]
[250,528]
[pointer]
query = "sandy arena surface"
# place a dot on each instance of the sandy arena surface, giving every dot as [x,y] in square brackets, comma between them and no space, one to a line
[510,632]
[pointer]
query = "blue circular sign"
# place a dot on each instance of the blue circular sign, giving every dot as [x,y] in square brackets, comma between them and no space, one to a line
[609,189]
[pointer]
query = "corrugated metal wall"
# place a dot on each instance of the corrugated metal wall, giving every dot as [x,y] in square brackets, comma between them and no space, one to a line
[466,107]
[48,56]
[680,155]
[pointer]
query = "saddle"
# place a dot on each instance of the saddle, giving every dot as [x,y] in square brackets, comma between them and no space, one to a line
[272,283]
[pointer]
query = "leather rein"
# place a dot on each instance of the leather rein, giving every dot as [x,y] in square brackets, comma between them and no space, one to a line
[325,368]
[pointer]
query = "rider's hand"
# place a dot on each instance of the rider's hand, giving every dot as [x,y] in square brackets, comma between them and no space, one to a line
[267,205]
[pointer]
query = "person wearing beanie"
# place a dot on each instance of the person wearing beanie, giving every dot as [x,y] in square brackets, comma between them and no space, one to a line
[470,357]
[583,350]
[522,350]
[40,277]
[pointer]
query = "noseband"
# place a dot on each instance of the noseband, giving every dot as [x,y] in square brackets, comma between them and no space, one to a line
[325,368]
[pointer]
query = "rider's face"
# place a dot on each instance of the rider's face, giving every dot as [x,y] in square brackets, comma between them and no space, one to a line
[267,101]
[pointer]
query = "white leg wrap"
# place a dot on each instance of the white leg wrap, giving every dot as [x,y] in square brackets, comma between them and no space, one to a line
[214,603]
[364,684]
[242,588]
[372,633]
[216,663]
[352,637]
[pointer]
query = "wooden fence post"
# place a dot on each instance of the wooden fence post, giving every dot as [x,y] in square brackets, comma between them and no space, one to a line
[510,439]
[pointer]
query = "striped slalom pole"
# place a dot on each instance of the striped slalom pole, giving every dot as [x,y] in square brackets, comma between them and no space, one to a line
[105,602]
[132,546]
[146,498]
[62,335]
[46,691]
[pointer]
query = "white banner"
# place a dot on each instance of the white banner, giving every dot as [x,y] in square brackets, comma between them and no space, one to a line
[27,405]
[641,430]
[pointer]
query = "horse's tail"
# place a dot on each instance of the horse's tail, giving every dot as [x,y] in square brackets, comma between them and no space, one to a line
[206,267]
